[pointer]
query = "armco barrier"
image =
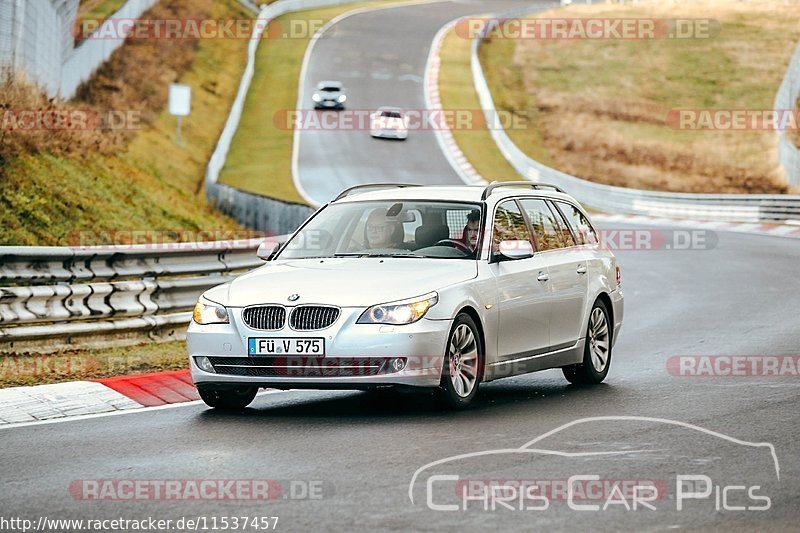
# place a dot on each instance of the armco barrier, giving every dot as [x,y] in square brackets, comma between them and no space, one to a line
[732,207]
[257,212]
[55,297]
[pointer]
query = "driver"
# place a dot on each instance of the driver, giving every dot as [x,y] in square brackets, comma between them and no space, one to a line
[380,231]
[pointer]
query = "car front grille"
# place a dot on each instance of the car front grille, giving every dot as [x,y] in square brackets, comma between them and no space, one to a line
[312,317]
[301,367]
[264,317]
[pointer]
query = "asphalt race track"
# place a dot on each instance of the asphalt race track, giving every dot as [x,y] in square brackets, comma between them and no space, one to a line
[362,449]
[380,56]
[346,460]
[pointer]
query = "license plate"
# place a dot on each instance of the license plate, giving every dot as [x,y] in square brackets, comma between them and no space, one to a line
[274,346]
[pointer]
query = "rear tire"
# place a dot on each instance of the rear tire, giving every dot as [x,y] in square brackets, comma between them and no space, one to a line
[596,350]
[463,365]
[228,398]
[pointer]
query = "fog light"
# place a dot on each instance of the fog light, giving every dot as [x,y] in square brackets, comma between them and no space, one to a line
[397,364]
[204,364]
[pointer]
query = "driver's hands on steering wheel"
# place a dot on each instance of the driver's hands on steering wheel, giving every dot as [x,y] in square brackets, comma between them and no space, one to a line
[455,244]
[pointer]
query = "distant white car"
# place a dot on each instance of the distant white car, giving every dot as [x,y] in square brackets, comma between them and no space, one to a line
[437,288]
[329,95]
[389,123]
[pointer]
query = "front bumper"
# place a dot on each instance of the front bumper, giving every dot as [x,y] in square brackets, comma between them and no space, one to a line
[328,104]
[389,134]
[357,356]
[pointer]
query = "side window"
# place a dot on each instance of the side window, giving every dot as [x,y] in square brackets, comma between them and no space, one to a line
[546,228]
[509,225]
[566,234]
[581,228]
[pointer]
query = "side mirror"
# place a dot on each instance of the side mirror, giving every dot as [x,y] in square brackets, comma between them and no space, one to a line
[266,249]
[515,249]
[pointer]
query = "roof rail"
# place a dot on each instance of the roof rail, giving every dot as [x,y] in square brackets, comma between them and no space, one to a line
[497,184]
[347,191]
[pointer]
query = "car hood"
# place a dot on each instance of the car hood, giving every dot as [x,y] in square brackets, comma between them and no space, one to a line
[344,282]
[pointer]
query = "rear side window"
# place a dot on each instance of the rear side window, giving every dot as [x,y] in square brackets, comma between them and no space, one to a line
[509,225]
[581,228]
[547,230]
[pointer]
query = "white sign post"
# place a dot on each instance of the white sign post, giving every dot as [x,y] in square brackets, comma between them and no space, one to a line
[180,103]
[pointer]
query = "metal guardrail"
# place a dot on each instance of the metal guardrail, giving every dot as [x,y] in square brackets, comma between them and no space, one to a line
[53,298]
[724,207]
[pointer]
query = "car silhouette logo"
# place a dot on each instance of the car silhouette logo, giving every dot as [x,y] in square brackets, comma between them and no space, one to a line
[294,297]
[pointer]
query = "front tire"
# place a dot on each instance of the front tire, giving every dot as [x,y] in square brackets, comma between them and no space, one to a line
[596,350]
[228,398]
[463,365]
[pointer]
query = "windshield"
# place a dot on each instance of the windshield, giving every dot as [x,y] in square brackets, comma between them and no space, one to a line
[391,114]
[330,89]
[391,228]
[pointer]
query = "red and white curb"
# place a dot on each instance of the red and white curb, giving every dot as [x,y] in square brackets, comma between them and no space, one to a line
[773,230]
[78,398]
[443,134]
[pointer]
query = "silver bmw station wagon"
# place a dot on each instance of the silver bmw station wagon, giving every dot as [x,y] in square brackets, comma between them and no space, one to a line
[406,286]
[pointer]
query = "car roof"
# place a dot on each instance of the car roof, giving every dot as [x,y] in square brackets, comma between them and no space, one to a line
[336,84]
[456,193]
[389,108]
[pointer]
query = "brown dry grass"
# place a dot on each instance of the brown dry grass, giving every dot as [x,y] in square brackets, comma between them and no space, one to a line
[598,108]
[18,96]
[138,75]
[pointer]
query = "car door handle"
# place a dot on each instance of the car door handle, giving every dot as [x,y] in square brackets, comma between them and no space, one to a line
[543,276]
[581,269]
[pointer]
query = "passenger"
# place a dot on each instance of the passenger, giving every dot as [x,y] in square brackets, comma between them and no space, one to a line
[469,237]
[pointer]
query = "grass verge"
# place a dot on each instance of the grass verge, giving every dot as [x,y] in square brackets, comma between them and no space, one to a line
[599,106]
[458,93]
[98,10]
[260,158]
[74,365]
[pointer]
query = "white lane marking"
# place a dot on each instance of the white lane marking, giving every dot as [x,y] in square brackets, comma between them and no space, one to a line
[139,409]
[301,97]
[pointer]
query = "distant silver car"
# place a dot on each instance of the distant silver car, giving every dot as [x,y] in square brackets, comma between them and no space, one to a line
[389,123]
[416,287]
[329,95]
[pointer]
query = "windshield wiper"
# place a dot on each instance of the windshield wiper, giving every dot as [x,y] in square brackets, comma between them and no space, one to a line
[382,254]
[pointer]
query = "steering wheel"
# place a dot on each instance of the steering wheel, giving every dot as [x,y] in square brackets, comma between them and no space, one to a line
[454,244]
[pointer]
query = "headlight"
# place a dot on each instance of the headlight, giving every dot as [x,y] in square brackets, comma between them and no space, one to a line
[399,313]
[342,98]
[316,97]
[206,312]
